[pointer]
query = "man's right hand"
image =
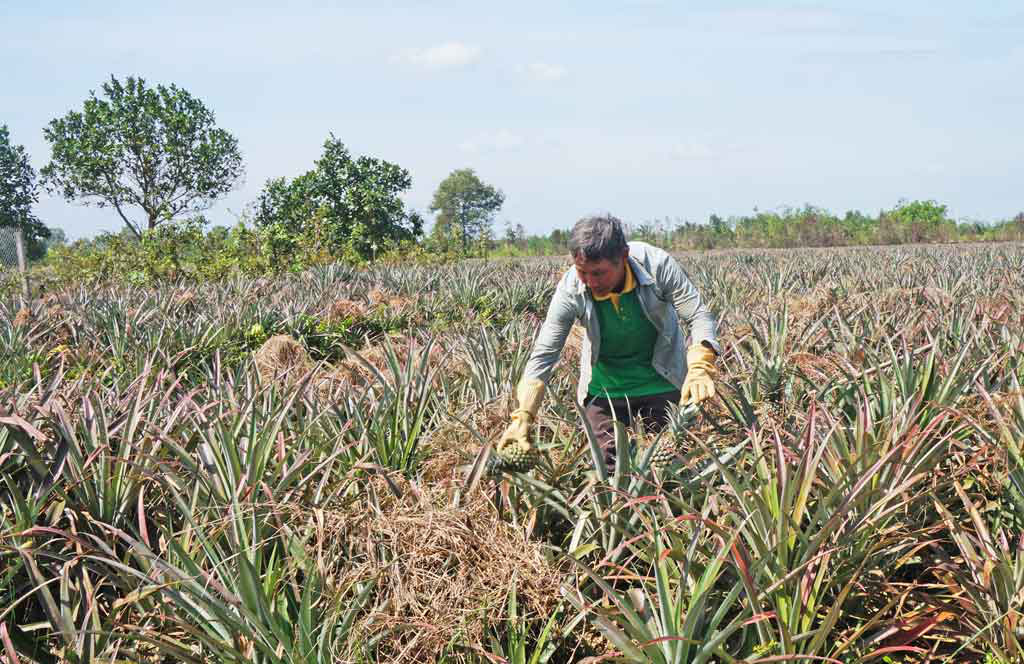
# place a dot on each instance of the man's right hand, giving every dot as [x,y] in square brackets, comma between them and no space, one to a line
[518,430]
[514,447]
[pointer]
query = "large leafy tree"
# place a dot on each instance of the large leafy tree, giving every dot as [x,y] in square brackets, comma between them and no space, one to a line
[465,207]
[157,149]
[19,191]
[916,221]
[346,203]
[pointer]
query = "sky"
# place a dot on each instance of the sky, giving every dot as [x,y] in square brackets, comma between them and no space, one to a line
[643,109]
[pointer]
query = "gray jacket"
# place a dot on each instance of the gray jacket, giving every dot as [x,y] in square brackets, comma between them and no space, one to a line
[666,296]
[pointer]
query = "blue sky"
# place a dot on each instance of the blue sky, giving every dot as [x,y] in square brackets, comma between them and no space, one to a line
[644,109]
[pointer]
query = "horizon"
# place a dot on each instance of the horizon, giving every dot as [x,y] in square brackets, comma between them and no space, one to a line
[711,109]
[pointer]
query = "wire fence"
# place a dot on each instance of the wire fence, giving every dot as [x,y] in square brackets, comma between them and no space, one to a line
[8,249]
[9,258]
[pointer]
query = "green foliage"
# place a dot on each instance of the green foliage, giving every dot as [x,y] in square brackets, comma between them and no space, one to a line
[810,226]
[344,206]
[465,207]
[915,221]
[154,148]
[18,191]
[514,648]
[173,251]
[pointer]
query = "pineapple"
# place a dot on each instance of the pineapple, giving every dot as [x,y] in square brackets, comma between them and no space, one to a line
[519,457]
[665,454]
[775,406]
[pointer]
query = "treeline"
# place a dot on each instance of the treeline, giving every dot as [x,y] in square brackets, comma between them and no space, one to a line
[909,222]
[155,156]
[191,249]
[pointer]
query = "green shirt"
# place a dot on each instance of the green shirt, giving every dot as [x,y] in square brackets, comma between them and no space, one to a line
[624,367]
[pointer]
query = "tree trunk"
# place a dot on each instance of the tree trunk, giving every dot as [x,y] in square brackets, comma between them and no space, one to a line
[19,244]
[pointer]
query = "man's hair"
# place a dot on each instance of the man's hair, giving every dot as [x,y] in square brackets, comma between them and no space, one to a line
[596,238]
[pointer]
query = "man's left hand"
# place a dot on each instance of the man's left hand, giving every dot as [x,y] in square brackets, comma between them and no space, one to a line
[699,384]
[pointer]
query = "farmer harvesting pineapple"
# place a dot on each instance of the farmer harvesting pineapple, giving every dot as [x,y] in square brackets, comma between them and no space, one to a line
[633,300]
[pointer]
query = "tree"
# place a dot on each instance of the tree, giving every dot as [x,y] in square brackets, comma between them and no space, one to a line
[57,238]
[19,190]
[345,203]
[916,221]
[559,240]
[718,225]
[515,234]
[155,148]
[465,207]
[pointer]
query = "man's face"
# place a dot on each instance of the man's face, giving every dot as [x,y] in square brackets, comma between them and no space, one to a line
[601,276]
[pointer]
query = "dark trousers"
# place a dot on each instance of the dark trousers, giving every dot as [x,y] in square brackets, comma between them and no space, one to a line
[602,413]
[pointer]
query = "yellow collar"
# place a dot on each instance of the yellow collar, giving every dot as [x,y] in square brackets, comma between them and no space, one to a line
[614,297]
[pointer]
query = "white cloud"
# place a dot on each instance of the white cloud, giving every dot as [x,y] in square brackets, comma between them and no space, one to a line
[443,56]
[542,71]
[501,140]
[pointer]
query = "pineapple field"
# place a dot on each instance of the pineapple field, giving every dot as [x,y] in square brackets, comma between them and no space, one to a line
[298,470]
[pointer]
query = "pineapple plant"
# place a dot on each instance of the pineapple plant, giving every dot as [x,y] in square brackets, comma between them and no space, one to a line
[775,384]
[773,381]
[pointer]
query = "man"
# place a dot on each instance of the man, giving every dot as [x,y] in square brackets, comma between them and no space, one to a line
[632,299]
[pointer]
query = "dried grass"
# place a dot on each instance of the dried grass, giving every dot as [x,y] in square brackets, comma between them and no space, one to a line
[376,299]
[892,298]
[184,299]
[282,359]
[443,572]
[452,446]
[355,372]
[820,366]
[810,306]
[345,309]
[999,308]
[23,317]
[398,303]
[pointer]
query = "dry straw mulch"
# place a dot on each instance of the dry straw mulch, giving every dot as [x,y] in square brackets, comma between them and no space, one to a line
[285,361]
[345,309]
[810,306]
[443,572]
[282,358]
[379,297]
[22,317]
[452,445]
[376,299]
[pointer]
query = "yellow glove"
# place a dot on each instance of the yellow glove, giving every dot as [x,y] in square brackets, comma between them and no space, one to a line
[699,384]
[514,447]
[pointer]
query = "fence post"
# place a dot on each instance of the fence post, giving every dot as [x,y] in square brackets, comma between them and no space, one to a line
[19,244]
